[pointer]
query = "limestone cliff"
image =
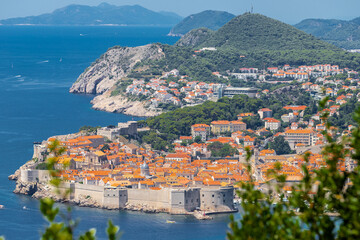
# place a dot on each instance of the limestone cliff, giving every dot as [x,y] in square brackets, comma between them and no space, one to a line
[120,104]
[115,64]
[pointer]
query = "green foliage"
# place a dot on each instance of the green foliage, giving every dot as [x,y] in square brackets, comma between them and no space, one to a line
[253,122]
[208,19]
[328,191]
[105,147]
[280,146]
[89,129]
[219,149]
[179,122]
[168,106]
[197,139]
[258,32]
[112,231]
[344,34]
[344,118]
[42,166]
[158,141]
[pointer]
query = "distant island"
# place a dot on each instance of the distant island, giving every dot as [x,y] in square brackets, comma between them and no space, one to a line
[344,34]
[210,19]
[103,14]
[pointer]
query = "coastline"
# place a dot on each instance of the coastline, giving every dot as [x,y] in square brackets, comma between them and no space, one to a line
[39,190]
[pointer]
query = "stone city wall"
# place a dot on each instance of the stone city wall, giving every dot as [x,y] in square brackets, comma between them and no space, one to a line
[159,199]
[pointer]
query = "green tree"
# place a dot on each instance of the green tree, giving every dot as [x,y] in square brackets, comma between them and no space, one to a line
[280,146]
[219,149]
[327,202]
[105,147]
[198,139]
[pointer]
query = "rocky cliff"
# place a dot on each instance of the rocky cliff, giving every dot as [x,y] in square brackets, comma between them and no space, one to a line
[113,65]
[120,104]
[101,77]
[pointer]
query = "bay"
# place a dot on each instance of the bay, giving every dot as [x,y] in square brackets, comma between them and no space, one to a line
[37,67]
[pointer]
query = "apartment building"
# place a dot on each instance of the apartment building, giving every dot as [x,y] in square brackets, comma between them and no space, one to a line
[304,136]
[221,126]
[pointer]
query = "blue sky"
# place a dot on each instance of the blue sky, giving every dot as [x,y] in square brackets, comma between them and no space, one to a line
[289,11]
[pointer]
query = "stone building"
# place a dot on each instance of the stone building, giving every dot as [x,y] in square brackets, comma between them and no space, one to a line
[128,128]
[222,126]
[217,199]
[272,123]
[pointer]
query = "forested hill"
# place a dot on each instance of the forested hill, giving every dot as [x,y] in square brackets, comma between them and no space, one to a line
[207,19]
[344,34]
[98,15]
[251,40]
[257,32]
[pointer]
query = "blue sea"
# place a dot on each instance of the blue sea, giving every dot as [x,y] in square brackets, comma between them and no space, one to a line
[37,67]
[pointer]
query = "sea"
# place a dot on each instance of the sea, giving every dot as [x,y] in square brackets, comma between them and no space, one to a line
[38,64]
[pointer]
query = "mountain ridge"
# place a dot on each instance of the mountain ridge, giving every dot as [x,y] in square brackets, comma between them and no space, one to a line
[103,14]
[342,33]
[210,19]
[251,31]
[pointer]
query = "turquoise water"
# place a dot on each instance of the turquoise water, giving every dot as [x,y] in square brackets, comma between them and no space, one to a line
[37,67]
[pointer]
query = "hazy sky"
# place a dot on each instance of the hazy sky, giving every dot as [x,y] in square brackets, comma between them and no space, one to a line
[290,11]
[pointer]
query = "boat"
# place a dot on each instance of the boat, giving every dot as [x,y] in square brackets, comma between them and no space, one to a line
[169,221]
[2,207]
[24,207]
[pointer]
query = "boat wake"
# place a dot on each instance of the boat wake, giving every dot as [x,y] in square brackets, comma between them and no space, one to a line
[45,61]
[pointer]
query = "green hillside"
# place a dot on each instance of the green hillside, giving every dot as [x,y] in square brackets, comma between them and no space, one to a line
[257,32]
[344,34]
[195,37]
[207,19]
[250,40]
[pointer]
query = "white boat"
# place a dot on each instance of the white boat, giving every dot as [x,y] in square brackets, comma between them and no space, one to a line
[168,221]
[2,207]
[24,207]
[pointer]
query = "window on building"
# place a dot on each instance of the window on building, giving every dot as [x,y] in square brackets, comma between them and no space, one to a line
[213,195]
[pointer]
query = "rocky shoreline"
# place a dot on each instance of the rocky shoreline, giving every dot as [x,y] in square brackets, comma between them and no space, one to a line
[102,76]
